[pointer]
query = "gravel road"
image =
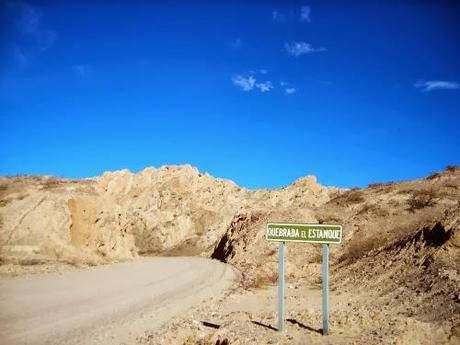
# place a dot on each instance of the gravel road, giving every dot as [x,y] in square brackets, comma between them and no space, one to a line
[111,304]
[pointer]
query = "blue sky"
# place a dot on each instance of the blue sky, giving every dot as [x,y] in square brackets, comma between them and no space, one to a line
[258,92]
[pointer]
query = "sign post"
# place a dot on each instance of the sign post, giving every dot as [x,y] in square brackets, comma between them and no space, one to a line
[281,286]
[307,233]
[325,293]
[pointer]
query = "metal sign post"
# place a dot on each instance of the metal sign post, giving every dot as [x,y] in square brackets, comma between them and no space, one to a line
[307,233]
[281,286]
[325,288]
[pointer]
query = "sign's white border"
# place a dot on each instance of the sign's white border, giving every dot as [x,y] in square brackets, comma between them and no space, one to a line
[304,224]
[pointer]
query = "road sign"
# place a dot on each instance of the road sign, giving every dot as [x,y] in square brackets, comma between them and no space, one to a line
[309,233]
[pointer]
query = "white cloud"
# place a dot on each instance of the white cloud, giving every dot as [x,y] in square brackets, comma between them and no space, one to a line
[437,85]
[82,71]
[245,83]
[258,71]
[289,90]
[305,13]
[265,86]
[284,83]
[301,48]
[249,83]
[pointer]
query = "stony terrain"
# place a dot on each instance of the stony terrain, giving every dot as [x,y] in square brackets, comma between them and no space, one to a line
[394,280]
[47,221]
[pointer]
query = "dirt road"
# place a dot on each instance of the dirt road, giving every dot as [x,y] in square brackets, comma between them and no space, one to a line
[106,305]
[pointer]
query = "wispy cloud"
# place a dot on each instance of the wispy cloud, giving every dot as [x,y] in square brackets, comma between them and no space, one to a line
[258,71]
[20,57]
[29,18]
[289,90]
[291,16]
[28,23]
[432,85]
[82,71]
[249,83]
[301,48]
[305,14]
[246,83]
[279,17]
[265,86]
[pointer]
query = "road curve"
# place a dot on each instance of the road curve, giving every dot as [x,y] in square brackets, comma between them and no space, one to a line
[110,304]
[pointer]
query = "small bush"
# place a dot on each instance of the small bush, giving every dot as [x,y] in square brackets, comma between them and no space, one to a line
[433,176]
[329,218]
[51,183]
[373,209]
[421,199]
[452,168]
[353,196]
[265,281]
[378,185]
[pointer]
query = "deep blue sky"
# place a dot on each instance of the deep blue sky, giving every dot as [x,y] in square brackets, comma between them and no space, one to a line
[261,93]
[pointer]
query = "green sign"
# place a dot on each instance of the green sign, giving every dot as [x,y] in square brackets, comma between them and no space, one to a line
[309,233]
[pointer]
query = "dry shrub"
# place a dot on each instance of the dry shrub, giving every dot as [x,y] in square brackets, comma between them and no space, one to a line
[373,209]
[357,249]
[433,176]
[260,281]
[452,168]
[421,199]
[353,196]
[329,218]
[51,183]
[317,257]
[379,185]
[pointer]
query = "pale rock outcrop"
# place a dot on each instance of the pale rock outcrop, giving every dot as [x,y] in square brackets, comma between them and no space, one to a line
[119,215]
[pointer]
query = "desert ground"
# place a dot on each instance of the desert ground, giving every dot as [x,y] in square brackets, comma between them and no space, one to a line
[67,245]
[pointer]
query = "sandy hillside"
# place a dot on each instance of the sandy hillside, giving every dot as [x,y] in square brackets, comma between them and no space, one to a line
[48,222]
[395,279]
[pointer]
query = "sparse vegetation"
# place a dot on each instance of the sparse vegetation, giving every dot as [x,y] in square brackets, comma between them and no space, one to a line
[433,176]
[373,209]
[329,218]
[51,183]
[452,168]
[421,199]
[379,185]
[353,196]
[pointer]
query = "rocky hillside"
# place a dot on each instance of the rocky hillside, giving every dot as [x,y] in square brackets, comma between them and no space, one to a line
[174,210]
[400,253]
